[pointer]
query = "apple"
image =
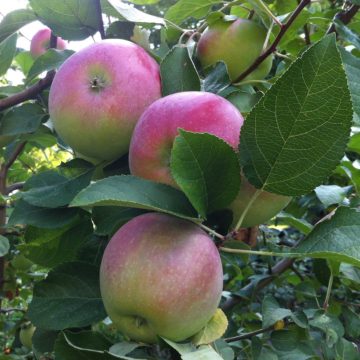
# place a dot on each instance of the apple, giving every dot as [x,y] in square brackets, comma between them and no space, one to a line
[40,43]
[152,141]
[99,94]
[160,276]
[238,44]
[26,334]
[265,207]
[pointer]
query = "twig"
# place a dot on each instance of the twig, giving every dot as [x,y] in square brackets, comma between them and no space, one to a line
[100,19]
[278,269]
[344,16]
[249,335]
[276,42]
[15,186]
[27,94]
[13,157]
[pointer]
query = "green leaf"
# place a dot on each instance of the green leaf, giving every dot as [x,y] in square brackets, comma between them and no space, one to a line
[130,191]
[300,224]
[144,2]
[14,21]
[22,119]
[57,193]
[332,194]
[297,133]
[330,325]
[26,214]
[68,297]
[213,330]
[69,19]
[272,312]
[284,340]
[7,53]
[123,348]
[24,60]
[44,340]
[109,219]
[217,80]
[178,72]
[207,169]
[52,247]
[189,8]
[354,143]
[352,68]
[347,34]
[50,60]
[4,245]
[335,239]
[133,14]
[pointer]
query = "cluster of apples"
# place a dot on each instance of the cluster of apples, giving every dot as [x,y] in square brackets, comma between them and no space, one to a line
[160,275]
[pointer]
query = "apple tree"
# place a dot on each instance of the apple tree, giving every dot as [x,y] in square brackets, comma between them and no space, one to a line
[180,180]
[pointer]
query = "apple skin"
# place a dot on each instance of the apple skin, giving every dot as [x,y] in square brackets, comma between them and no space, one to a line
[153,137]
[265,207]
[26,334]
[41,42]
[236,43]
[160,275]
[99,94]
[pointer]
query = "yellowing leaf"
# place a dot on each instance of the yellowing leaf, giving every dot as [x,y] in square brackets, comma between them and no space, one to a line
[213,330]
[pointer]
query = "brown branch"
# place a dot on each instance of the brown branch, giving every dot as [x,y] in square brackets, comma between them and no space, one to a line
[278,269]
[249,335]
[27,94]
[344,16]
[100,19]
[273,46]
[15,186]
[13,157]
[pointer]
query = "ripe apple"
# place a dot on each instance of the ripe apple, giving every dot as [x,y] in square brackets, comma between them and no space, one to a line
[98,95]
[41,42]
[26,334]
[153,137]
[160,275]
[265,207]
[237,43]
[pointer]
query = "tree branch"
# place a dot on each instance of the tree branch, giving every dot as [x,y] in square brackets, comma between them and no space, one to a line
[344,16]
[249,335]
[100,19]
[278,269]
[276,42]
[27,94]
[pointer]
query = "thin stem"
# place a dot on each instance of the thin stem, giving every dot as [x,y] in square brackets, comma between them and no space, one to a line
[213,232]
[249,335]
[276,42]
[253,81]
[251,252]
[269,12]
[100,19]
[246,210]
[328,292]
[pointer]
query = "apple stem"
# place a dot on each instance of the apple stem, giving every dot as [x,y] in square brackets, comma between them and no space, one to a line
[246,210]
[269,12]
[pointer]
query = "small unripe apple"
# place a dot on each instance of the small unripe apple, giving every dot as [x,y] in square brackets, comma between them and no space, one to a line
[153,137]
[26,334]
[265,207]
[40,43]
[238,44]
[98,95]
[160,276]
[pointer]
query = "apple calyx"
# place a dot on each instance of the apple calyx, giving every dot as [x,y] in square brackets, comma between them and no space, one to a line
[97,83]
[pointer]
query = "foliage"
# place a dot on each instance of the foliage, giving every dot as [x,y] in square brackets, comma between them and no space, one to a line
[293,293]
